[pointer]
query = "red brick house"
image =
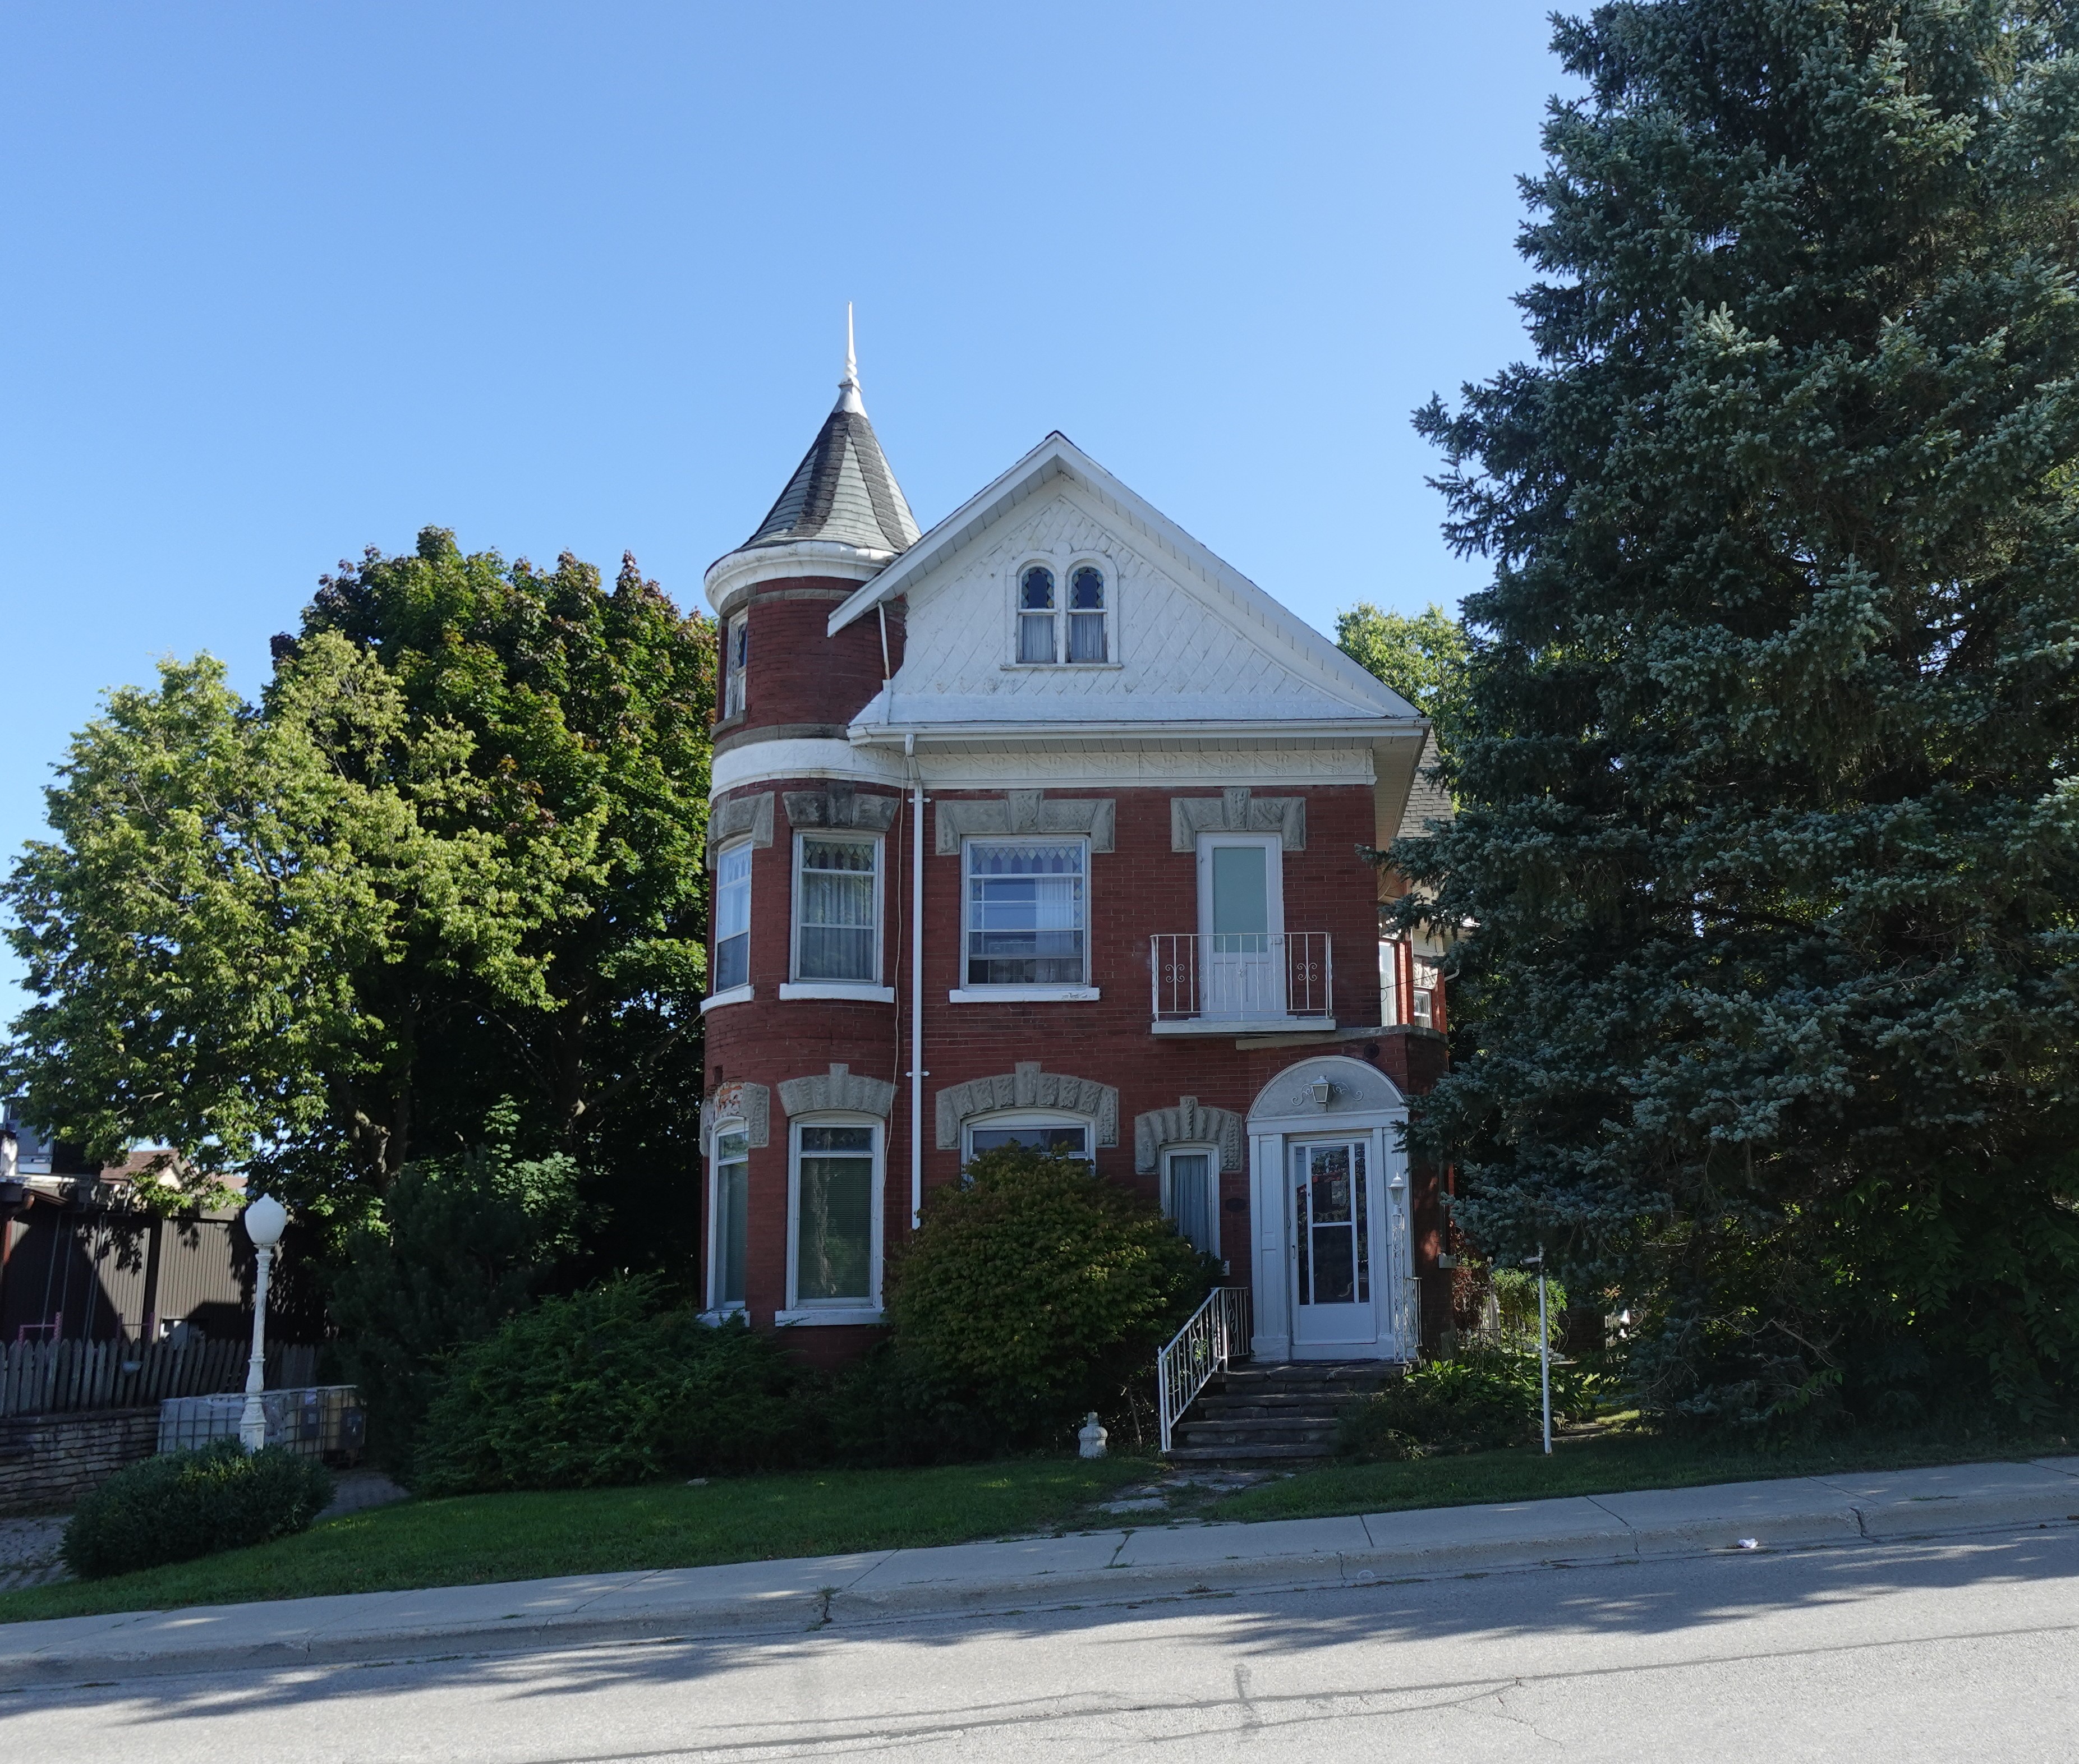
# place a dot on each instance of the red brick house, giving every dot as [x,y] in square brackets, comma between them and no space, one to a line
[1046,825]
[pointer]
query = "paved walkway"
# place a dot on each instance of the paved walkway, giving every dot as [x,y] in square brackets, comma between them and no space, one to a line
[1107,1567]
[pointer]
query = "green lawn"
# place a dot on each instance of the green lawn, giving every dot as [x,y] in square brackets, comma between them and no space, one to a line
[1608,1464]
[486,1537]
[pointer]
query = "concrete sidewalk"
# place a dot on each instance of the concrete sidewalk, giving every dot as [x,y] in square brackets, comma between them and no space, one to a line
[1109,1567]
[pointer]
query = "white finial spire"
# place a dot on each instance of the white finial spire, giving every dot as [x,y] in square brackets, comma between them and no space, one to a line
[848,398]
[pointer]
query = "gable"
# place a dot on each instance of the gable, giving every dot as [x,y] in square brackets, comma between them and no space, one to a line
[1190,639]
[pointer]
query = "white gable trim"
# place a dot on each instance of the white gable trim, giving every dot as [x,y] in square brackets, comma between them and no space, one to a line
[1297,643]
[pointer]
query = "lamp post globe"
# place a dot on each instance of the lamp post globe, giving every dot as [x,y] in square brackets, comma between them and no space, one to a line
[265,1219]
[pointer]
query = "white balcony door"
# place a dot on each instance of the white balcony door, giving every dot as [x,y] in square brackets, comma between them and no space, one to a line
[1334,1222]
[1241,926]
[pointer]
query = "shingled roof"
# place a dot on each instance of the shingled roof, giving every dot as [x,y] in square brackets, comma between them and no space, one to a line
[842,490]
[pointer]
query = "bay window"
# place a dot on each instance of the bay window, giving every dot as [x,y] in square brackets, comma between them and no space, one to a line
[732,918]
[833,1225]
[837,909]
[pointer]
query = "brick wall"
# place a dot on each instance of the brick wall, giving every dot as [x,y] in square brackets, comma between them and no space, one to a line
[1142,887]
[799,674]
[48,1461]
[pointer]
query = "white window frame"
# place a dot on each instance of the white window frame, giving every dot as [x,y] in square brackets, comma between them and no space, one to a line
[1000,1119]
[733,995]
[1054,991]
[1211,1153]
[825,1312]
[1064,577]
[719,1310]
[735,667]
[873,990]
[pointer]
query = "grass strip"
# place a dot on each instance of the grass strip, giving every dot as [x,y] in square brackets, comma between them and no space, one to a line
[1612,1463]
[472,1539]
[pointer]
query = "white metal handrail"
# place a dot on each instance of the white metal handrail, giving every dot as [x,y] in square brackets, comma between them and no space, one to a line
[1218,1331]
[1241,976]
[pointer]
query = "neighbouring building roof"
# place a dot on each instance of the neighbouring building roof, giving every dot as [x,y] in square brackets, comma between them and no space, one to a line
[842,490]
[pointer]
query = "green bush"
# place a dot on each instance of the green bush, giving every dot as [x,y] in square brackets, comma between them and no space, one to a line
[1032,1293]
[181,1504]
[463,1243]
[610,1386]
[1486,1398]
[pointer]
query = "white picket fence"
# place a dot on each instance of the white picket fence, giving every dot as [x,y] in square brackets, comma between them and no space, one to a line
[45,1377]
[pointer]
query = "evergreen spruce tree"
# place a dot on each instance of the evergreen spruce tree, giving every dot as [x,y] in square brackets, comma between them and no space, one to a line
[1767,867]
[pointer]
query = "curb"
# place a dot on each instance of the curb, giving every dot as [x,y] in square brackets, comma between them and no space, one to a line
[798,1611]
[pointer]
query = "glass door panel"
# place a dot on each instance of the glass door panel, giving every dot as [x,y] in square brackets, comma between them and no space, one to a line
[1331,1198]
[1241,921]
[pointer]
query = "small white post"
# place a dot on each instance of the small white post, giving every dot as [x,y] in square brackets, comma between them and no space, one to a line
[1544,1352]
[264,1219]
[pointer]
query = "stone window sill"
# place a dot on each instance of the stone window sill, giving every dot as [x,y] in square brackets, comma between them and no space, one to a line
[837,988]
[853,1315]
[1023,995]
[736,995]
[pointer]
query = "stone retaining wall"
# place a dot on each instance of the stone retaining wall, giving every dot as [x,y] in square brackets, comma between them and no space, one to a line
[48,1461]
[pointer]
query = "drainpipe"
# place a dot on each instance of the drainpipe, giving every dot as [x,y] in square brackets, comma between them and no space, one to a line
[916,982]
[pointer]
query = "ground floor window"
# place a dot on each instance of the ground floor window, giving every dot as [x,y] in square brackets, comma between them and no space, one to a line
[1191,1195]
[1064,1135]
[835,1249]
[732,1183]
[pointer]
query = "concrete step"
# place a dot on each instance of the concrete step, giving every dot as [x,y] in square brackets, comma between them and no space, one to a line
[1245,1454]
[1242,1410]
[1211,1435]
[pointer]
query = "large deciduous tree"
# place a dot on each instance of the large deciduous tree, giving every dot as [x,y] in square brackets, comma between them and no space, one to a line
[453,857]
[1768,859]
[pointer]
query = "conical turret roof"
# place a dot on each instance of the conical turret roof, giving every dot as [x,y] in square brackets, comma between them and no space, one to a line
[842,490]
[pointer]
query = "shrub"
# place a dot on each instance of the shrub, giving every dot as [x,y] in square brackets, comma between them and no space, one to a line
[1487,1396]
[1031,1293]
[610,1386]
[181,1504]
[463,1243]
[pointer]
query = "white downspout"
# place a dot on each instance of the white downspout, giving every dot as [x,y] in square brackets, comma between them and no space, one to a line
[916,983]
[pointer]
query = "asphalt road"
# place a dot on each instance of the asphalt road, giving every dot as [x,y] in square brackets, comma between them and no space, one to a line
[1965,1649]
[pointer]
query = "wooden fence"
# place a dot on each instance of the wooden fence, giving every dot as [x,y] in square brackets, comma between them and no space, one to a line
[46,1377]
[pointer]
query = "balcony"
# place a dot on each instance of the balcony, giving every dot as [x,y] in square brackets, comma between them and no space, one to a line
[1249,983]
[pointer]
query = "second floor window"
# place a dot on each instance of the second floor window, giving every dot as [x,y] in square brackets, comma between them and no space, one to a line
[732,915]
[1086,615]
[1026,913]
[736,658]
[837,910]
[1035,615]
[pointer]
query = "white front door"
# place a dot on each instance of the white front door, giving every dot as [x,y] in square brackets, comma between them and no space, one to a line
[1334,1213]
[1241,923]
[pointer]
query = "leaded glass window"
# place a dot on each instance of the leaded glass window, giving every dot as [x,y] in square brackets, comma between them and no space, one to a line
[835,932]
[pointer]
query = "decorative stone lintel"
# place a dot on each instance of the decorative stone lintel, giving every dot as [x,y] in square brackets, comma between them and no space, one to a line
[731,819]
[1236,810]
[839,1088]
[1027,811]
[838,804]
[1188,1123]
[749,1103]
[1027,1088]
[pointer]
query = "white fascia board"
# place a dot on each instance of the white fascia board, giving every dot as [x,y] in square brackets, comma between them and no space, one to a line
[1058,456]
[1063,734]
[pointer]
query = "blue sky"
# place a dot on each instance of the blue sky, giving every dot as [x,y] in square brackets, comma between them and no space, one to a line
[283,282]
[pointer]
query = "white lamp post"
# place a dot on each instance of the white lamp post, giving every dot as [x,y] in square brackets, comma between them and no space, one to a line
[265,1218]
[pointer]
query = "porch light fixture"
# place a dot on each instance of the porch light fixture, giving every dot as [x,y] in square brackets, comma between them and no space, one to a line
[1321,1090]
